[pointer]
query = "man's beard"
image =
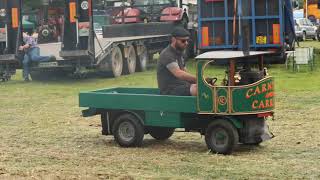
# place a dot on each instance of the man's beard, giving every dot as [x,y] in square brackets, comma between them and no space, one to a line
[179,48]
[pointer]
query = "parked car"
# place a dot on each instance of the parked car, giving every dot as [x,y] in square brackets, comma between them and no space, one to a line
[305,29]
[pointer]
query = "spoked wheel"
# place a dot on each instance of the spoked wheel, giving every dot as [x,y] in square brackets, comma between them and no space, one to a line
[131,60]
[116,61]
[128,131]
[143,59]
[221,137]
[161,133]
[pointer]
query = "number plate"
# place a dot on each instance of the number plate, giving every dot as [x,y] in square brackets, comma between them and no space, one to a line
[48,64]
[261,40]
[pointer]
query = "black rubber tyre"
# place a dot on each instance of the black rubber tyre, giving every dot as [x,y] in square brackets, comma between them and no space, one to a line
[221,136]
[143,60]
[161,133]
[131,61]
[116,61]
[128,131]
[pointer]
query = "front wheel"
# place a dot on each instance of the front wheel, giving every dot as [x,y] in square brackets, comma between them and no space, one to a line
[161,133]
[128,131]
[143,59]
[221,136]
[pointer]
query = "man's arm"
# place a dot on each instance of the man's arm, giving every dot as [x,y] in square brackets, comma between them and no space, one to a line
[26,46]
[181,74]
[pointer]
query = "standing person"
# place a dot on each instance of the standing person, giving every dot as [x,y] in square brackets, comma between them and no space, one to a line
[172,76]
[31,53]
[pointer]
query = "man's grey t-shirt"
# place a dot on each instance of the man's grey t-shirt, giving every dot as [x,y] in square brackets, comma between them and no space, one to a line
[167,82]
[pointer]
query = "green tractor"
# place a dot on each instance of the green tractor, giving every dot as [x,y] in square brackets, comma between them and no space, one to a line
[227,115]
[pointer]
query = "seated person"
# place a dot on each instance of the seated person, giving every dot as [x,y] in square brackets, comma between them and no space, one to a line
[172,76]
[31,52]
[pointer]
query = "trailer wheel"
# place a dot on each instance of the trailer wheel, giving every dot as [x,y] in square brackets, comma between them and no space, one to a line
[131,61]
[221,136]
[161,133]
[143,59]
[128,131]
[116,61]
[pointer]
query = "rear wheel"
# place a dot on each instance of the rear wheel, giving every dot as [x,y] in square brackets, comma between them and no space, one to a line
[161,133]
[143,59]
[221,136]
[128,131]
[116,61]
[131,61]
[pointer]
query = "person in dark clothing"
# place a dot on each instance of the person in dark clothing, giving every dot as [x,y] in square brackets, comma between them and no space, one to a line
[172,76]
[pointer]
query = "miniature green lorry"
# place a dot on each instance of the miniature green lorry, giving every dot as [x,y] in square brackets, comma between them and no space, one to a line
[227,115]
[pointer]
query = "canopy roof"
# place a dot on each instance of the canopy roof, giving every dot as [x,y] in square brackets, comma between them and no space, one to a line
[216,55]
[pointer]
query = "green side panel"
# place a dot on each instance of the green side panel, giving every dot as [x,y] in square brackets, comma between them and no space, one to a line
[205,95]
[137,99]
[258,97]
[163,119]
[121,90]
[222,99]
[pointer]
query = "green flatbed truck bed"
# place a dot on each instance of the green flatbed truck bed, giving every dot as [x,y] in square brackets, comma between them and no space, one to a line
[146,99]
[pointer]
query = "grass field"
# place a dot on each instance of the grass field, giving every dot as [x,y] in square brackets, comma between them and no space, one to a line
[43,135]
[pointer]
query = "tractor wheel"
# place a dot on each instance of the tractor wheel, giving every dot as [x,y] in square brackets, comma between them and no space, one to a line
[131,61]
[128,131]
[143,60]
[161,133]
[221,136]
[116,61]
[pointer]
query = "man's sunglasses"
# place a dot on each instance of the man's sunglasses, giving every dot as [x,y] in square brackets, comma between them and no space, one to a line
[183,40]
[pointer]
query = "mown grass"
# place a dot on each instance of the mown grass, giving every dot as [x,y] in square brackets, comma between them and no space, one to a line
[43,135]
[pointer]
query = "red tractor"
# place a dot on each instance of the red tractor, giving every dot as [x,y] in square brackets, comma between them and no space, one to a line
[150,11]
